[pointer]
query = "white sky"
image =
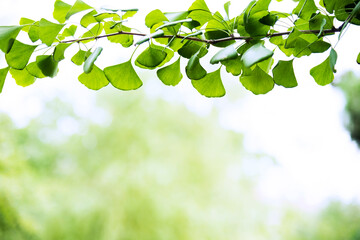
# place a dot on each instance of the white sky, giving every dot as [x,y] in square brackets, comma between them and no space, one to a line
[301,127]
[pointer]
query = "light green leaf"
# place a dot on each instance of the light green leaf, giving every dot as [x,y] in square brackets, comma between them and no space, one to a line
[47,65]
[80,57]
[70,31]
[26,21]
[305,9]
[123,76]
[34,32]
[257,81]
[211,85]
[19,55]
[154,56]
[158,33]
[224,54]
[154,17]
[22,77]
[88,19]
[48,31]
[93,32]
[60,50]
[175,16]
[284,75]
[193,69]
[60,10]
[255,54]
[7,37]
[171,74]
[129,13]
[89,63]
[79,6]
[226,8]
[324,72]
[95,79]
[3,73]
[34,70]
[200,12]
[358,58]
[124,39]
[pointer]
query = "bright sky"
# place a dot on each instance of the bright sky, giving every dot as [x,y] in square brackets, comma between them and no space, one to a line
[301,127]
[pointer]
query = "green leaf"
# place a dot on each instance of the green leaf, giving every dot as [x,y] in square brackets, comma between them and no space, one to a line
[154,56]
[211,85]
[305,9]
[284,75]
[200,12]
[47,65]
[319,46]
[254,26]
[129,13]
[123,76]
[60,10]
[224,54]
[79,58]
[34,70]
[233,66]
[320,22]
[89,63]
[26,21]
[355,11]
[34,32]
[79,6]
[193,69]
[171,74]
[324,72]
[169,24]
[3,73]
[358,58]
[95,79]
[88,19]
[192,47]
[93,32]
[257,81]
[7,37]
[158,33]
[48,31]
[154,17]
[22,77]
[255,54]
[70,31]
[290,41]
[124,39]
[269,19]
[175,16]
[226,8]
[60,50]
[19,55]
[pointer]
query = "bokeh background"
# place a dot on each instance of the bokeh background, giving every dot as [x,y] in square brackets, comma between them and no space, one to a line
[167,163]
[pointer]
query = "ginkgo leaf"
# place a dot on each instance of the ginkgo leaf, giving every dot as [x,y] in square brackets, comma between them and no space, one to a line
[48,31]
[224,54]
[78,6]
[123,76]
[19,55]
[171,74]
[3,73]
[60,50]
[60,10]
[211,85]
[8,35]
[95,79]
[47,65]
[257,81]
[284,75]
[255,54]
[89,63]
[22,77]
[323,73]
[193,69]
[154,56]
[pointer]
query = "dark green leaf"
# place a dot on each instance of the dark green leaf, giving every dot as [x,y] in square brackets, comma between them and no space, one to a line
[193,69]
[60,10]
[7,37]
[154,56]
[22,77]
[211,85]
[60,50]
[269,19]
[170,75]
[79,6]
[154,17]
[233,66]
[3,73]
[257,81]
[319,46]
[47,65]
[123,76]
[290,41]
[19,55]
[95,79]
[190,48]
[89,63]
[224,54]
[284,75]
[48,31]
[305,9]
[34,70]
[324,72]
[255,54]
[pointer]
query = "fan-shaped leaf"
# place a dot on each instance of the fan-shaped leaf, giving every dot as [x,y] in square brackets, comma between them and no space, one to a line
[123,76]
[78,6]
[284,75]
[47,65]
[22,77]
[193,69]
[257,81]
[255,54]
[154,56]
[60,10]
[48,31]
[224,54]
[60,50]
[19,55]
[7,37]
[170,75]
[95,79]
[34,70]
[211,85]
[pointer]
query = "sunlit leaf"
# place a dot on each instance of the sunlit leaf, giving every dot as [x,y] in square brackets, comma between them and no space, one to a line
[158,33]
[47,65]
[26,21]
[60,10]
[305,9]
[80,57]
[34,70]
[200,12]
[19,55]
[171,74]
[154,17]
[226,8]
[257,81]
[284,75]
[78,6]
[193,69]
[34,32]
[7,37]
[358,58]
[3,73]
[123,76]
[93,32]
[224,54]
[124,39]
[233,66]
[48,31]
[89,63]
[211,85]
[95,79]
[324,72]
[154,56]
[70,31]
[255,54]
[22,77]
[175,16]
[88,19]
[60,50]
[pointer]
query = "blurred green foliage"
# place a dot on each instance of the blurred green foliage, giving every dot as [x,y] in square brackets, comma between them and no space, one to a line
[350,85]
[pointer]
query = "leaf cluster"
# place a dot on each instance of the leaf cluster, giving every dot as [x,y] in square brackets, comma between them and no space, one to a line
[245,44]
